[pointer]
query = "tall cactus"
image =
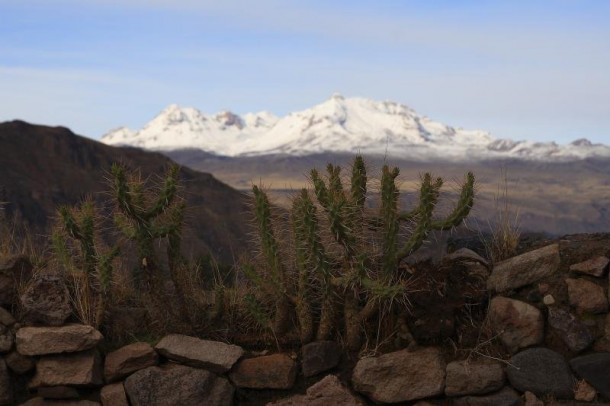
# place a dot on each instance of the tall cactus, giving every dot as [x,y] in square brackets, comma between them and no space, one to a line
[78,226]
[361,277]
[143,219]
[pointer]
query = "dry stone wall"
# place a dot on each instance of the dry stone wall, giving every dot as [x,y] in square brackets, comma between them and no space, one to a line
[548,310]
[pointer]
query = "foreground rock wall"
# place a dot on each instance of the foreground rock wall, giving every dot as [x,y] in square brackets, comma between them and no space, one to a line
[548,314]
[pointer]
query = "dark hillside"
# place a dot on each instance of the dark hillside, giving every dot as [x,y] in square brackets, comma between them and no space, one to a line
[42,167]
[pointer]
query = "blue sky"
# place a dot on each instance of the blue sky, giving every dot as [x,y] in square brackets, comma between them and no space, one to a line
[521,69]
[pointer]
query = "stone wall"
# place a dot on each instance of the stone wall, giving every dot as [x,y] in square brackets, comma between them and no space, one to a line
[548,312]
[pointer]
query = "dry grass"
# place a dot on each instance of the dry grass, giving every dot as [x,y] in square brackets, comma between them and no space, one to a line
[504,226]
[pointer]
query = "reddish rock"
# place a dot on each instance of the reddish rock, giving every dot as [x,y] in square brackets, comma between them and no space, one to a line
[584,392]
[596,266]
[327,392]
[587,297]
[277,371]
[114,395]
[56,340]
[524,269]
[211,355]
[129,359]
[518,324]
[78,369]
[401,376]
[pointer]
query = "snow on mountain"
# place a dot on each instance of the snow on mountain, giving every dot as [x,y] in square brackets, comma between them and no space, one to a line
[337,125]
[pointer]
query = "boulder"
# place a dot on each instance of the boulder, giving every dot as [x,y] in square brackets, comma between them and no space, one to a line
[13,269]
[212,355]
[46,301]
[504,397]
[6,318]
[177,385]
[595,369]
[277,371]
[573,332]
[596,266]
[129,359]
[56,340]
[517,323]
[524,269]
[114,395]
[473,378]
[19,364]
[6,386]
[586,297]
[6,339]
[542,372]
[401,376]
[329,391]
[58,392]
[320,356]
[78,369]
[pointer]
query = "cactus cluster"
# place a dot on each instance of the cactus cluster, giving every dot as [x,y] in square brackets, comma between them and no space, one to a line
[76,231]
[346,259]
[143,219]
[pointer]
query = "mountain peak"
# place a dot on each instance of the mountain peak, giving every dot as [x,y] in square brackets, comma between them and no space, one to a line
[339,124]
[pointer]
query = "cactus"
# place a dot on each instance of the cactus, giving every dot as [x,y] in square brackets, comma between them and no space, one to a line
[144,219]
[348,266]
[78,226]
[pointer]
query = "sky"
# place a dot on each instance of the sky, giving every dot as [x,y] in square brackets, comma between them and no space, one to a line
[521,69]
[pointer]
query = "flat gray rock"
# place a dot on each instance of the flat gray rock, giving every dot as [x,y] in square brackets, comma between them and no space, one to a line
[473,378]
[212,355]
[56,340]
[504,397]
[524,269]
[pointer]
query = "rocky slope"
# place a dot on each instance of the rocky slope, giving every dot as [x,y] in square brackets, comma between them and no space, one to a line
[44,167]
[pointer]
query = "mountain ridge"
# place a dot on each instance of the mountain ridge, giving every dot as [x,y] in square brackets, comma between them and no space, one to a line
[339,125]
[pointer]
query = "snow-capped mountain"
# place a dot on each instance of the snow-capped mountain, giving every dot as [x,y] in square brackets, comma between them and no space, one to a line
[337,125]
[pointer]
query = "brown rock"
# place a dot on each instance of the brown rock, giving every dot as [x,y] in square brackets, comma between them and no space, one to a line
[19,364]
[596,266]
[401,376]
[6,318]
[518,324]
[277,371]
[58,392]
[56,340]
[46,301]
[6,386]
[177,385]
[320,356]
[78,369]
[6,339]
[211,355]
[532,400]
[327,392]
[586,297]
[584,392]
[12,270]
[505,397]
[473,378]
[129,359]
[114,395]
[524,269]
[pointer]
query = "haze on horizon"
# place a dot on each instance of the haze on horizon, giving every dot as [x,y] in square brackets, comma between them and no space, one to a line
[517,69]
